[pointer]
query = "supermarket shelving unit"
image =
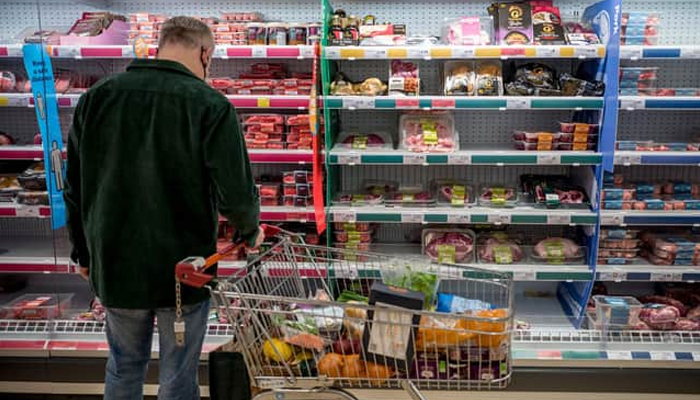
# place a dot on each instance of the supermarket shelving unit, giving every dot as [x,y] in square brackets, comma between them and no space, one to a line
[557,340]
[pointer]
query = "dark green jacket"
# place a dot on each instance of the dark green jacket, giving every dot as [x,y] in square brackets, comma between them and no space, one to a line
[153,155]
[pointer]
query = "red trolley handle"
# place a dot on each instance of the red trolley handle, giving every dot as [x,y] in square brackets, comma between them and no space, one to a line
[191,270]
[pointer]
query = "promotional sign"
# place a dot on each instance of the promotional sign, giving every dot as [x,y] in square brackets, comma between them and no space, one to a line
[38,65]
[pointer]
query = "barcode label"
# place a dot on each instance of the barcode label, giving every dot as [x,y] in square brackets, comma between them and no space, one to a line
[458,218]
[619,355]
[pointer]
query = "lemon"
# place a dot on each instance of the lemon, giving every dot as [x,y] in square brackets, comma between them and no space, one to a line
[284,351]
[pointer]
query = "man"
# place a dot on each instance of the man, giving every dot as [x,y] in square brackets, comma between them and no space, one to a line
[153,155]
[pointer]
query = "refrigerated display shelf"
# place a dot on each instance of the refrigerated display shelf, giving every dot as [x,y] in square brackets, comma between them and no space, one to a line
[459,52]
[477,154]
[256,156]
[24,211]
[628,158]
[127,51]
[667,218]
[686,52]
[474,215]
[459,103]
[631,103]
[15,99]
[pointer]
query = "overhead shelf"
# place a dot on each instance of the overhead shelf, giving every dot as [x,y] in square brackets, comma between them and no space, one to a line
[239,101]
[646,217]
[477,156]
[458,103]
[631,103]
[659,52]
[627,158]
[127,51]
[475,215]
[14,99]
[457,52]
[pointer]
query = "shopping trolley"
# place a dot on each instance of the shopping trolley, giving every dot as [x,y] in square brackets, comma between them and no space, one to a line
[301,338]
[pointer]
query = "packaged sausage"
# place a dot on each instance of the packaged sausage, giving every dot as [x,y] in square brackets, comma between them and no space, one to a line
[403,78]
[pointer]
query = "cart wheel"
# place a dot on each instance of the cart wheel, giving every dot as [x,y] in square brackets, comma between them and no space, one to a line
[305,394]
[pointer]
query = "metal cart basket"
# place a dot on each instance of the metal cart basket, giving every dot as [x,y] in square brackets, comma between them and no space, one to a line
[299,335]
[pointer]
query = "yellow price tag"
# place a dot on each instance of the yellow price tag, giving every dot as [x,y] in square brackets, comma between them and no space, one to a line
[441,52]
[397,53]
[352,53]
[4,101]
[566,52]
[488,52]
[263,102]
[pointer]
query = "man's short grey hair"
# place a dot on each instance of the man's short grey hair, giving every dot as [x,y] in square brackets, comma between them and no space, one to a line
[186,31]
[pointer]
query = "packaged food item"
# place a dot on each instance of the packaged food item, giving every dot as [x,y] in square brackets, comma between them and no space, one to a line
[426,132]
[376,186]
[410,196]
[269,189]
[403,78]
[553,191]
[38,306]
[562,146]
[547,25]
[572,86]
[488,78]
[269,201]
[536,137]
[639,18]
[442,332]
[453,192]
[614,233]
[257,33]
[579,127]
[353,236]
[578,139]
[7,82]
[33,198]
[378,346]
[618,312]
[467,31]
[351,226]
[660,316]
[491,326]
[365,141]
[299,189]
[459,78]
[514,23]
[615,260]
[618,253]
[448,245]
[499,248]
[297,34]
[624,244]
[557,250]
[498,196]
[639,40]
[292,177]
[33,178]
[297,201]
[358,199]
[533,79]
[450,303]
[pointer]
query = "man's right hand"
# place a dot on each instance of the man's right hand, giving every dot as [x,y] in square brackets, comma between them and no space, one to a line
[258,240]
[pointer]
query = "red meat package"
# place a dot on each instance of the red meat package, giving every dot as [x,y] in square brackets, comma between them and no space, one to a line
[426,132]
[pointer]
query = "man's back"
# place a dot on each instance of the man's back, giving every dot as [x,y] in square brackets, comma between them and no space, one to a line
[152,143]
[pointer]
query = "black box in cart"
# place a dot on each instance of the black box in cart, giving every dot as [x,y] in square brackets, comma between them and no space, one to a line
[391,326]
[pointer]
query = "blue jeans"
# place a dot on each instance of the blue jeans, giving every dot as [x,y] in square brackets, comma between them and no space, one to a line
[130,334]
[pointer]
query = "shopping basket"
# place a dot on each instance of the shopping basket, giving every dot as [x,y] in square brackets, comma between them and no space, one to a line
[299,335]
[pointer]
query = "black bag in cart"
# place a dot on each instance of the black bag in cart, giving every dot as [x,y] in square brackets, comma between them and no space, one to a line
[228,376]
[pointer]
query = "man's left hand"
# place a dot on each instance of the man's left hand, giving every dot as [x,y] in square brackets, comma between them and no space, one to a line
[84,272]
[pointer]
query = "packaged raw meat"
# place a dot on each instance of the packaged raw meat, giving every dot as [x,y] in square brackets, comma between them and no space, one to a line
[292,177]
[453,192]
[498,248]
[448,245]
[7,82]
[672,243]
[537,138]
[618,312]
[616,260]
[553,191]
[6,140]
[351,226]
[299,189]
[578,127]
[542,146]
[353,236]
[614,233]
[297,201]
[618,194]
[365,140]
[358,199]
[575,137]
[687,324]
[660,316]
[655,299]
[425,132]
[618,253]
[459,78]
[498,196]
[587,146]
[376,186]
[410,196]
[269,189]
[269,201]
[557,250]
[36,306]
[694,313]
[403,78]
[625,244]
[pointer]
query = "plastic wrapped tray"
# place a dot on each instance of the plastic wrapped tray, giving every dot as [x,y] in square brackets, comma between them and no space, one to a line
[365,141]
[553,250]
[448,245]
[638,73]
[269,201]
[292,177]
[33,198]
[299,189]
[351,226]
[578,138]
[377,186]
[410,196]
[616,260]
[38,306]
[618,253]
[297,201]
[617,311]
[536,137]
[571,127]
[624,244]
[499,248]
[358,199]
[492,195]
[353,236]
[426,132]
[615,233]
[561,146]
[453,192]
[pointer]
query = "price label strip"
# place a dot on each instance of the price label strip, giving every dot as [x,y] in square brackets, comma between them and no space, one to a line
[614,276]
[412,218]
[548,159]
[415,159]
[259,52]
[620,355]
[358,103]
[525,276]
[662,355]
[499,218]
[546,51]
[518,104]
[344,216]
[631,52]
[632,104]
[459,159]
[666,277]
[458,218]
[628,159]
[349,159]
[611,219]
[558,219]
